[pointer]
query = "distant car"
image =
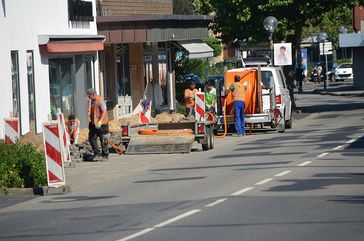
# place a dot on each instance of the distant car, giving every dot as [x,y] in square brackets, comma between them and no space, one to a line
[194,78]
[343,72]
[216,78]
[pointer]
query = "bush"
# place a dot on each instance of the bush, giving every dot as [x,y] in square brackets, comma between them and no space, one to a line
[21,165]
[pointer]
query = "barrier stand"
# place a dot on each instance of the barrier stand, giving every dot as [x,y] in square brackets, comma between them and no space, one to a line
[66,140]
[200,106]
[53,142]
[12,130]
[144,117]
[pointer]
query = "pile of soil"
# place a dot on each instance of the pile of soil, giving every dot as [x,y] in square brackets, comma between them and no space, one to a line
[34,139]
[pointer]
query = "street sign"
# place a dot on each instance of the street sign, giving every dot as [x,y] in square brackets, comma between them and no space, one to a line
[327,47]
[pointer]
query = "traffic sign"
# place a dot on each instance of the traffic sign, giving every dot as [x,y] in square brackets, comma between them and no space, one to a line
[326,47]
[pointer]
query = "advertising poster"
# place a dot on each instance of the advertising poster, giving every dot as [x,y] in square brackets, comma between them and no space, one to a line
[304,60]
[283,54]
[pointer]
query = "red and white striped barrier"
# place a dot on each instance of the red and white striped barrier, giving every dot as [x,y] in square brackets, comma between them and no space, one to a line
[200,106]
[66,139]
[53,143]
[12,130]
[145,117]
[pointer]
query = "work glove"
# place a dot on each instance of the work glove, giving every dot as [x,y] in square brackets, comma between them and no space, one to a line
[98,125]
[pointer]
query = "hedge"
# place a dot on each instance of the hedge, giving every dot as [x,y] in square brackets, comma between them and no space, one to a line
[22,166]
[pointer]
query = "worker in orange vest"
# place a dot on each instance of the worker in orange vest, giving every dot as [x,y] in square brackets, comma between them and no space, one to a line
[189,97]
[238,93]
[98,125]
[73,128]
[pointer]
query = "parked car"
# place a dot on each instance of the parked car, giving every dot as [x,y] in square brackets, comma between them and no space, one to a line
[343,72]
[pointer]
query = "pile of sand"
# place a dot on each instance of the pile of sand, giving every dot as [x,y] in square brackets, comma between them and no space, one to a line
[166,117]
[35,139]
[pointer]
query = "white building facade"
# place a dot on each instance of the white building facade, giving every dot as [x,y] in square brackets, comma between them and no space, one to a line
[48,59]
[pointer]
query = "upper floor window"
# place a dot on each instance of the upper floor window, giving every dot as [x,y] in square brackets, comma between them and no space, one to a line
[79,10]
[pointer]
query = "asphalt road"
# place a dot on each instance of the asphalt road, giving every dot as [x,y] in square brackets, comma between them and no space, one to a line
[305,184]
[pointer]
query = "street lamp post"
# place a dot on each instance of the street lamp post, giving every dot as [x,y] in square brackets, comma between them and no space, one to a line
[322,38]
[270,24]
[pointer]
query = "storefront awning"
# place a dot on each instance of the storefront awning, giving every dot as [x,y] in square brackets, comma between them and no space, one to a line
[197,50]
[71,43]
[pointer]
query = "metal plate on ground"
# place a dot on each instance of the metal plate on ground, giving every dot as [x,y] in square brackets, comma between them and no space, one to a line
[160,144]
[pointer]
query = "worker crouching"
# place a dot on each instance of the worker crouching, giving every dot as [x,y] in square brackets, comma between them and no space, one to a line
[238,94]
[73,129]
[98,125]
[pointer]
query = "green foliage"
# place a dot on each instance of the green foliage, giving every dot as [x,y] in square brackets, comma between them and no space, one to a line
[215,44]
[184,7]
[344,61]
[21,165]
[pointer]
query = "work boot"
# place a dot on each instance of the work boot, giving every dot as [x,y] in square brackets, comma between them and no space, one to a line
[97,157]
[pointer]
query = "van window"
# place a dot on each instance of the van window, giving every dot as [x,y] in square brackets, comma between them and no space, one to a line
[283,79]
[266,78]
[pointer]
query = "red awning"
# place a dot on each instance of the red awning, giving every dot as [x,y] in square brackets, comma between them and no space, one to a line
[74,46]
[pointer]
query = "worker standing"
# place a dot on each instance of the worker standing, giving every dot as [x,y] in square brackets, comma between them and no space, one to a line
[238,89]
[210,97]
[189,97]
[98,125]
[73,128]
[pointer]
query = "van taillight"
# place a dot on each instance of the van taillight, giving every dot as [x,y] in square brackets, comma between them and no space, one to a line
[200,129]
[124,131]
[278,100]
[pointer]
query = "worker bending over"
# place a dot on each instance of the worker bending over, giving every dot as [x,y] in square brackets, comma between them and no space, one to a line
[73,128]
[189,97]
[238,94]
[98,125]
[210,97]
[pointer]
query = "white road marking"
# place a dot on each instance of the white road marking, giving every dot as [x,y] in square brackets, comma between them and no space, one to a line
[175,219]
[322,154]
[351,141]
[216,202]
[305,163]
[138,234]
[283,173]
[337,148]
[247,189]
[264,181]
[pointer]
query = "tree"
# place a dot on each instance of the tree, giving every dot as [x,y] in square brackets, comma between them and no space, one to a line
[184,7]
[243,19]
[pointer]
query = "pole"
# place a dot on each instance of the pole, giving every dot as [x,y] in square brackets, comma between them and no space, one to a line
[323,52]
[271,46]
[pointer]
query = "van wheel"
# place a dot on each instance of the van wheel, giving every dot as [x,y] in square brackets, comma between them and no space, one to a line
[289,122]
[212,141]
[281,127]
[206,147]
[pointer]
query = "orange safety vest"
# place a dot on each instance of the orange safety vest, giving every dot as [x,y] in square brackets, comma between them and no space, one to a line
[189,101]
[97,112]
[239,92]
[72,128]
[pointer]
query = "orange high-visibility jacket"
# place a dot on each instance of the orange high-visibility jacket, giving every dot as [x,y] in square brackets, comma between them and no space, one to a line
[72,128]
[189,100]
[97,112]
[238,92]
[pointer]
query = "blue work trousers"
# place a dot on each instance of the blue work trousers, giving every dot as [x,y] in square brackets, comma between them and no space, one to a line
[239,107]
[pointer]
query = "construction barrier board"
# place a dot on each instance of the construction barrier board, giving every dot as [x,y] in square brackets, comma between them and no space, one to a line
[53,142]
[66,139]
[12,130]
[200,106]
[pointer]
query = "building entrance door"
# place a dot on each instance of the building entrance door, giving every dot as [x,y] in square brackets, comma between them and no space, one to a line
[61,81]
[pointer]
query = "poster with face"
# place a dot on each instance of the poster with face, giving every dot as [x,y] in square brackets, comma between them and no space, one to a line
[283,54]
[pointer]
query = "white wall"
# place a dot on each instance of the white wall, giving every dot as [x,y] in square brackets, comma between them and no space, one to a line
[21,21]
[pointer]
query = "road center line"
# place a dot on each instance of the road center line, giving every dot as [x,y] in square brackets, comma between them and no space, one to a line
[337,148]
[283,173]
[216,202]
[305,163]
[247,189]
[138,234]
[322,154]
[264,181]
[351,141]
[175,219]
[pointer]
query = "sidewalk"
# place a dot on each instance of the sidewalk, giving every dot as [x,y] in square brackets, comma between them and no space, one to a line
[340,89]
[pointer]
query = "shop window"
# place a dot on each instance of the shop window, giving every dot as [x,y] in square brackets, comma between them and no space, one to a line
[15,83]
[123,70]
[61,79]
[90,72]
[31,90]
